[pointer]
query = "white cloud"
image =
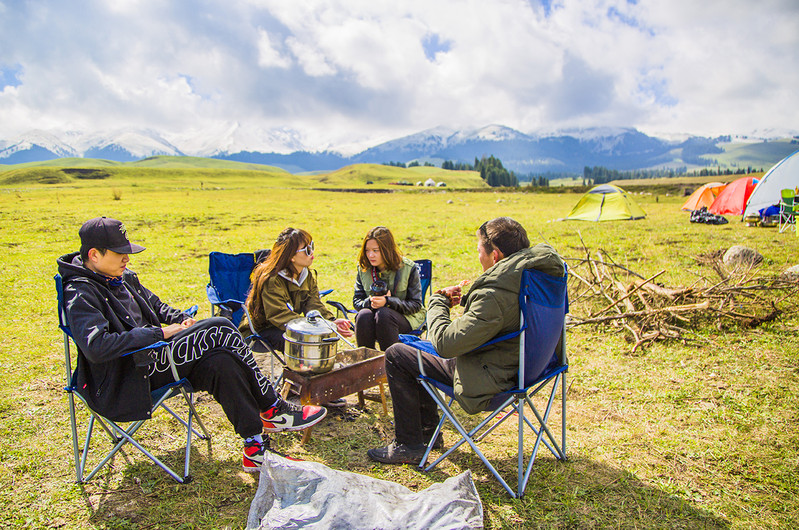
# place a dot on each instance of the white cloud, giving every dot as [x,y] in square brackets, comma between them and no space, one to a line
[341,72]
[268,56]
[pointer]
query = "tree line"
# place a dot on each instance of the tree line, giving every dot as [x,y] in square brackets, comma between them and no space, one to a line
[490,168]
[603,175]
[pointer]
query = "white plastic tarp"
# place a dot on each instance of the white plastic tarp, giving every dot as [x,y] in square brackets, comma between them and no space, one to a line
[311,495]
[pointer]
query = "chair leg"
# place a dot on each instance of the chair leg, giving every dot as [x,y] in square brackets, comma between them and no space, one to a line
[465,437]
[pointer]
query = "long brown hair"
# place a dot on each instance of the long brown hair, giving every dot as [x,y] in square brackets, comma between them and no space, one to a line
[392,256]
[288,242]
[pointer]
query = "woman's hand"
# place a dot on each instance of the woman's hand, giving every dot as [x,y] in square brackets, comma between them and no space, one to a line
[379,301]
[344,326]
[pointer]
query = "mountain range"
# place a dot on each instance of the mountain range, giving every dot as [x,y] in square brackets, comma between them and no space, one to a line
[555,152]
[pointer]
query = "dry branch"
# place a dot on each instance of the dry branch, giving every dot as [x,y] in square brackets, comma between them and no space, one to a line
[613,295]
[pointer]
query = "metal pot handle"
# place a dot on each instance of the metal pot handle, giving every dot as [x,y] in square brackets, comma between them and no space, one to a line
[314,314]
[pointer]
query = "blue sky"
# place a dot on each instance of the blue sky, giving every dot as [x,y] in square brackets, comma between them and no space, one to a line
[343,74]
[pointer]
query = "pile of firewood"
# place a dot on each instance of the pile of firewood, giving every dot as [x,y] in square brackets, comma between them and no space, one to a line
[605,293]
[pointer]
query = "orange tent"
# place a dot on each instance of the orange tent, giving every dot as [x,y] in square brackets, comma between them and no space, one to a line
[704,196]
[732,199]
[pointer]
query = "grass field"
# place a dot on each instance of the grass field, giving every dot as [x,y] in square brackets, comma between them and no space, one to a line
[699,434]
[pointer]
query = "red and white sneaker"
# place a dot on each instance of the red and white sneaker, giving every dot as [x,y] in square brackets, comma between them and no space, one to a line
[286,416]
[254,455]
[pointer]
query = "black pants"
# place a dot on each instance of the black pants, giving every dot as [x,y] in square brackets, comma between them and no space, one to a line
[415,412]
[382,325]
[213,356]
[273,336]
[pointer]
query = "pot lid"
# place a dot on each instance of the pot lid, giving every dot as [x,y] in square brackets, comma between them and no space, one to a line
[311,324]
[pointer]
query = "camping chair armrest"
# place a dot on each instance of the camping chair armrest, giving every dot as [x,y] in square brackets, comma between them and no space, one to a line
[325,292]
[153,346]
[192,311]
[341,307]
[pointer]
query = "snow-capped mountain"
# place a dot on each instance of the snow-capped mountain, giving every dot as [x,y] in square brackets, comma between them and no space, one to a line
[35,146]
[535,152]
[231,138]
[127,145]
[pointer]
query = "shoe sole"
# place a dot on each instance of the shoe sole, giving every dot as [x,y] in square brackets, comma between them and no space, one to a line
[295,428]
[251,469]
[395,462]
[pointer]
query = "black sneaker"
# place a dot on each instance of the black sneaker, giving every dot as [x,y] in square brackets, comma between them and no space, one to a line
[286,416]
[397,453]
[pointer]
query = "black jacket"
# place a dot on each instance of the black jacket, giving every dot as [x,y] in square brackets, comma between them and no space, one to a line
[104,329]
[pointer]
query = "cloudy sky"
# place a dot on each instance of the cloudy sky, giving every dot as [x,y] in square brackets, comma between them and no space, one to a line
[337,73]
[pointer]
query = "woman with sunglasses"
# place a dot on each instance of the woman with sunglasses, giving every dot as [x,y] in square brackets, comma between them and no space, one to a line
[284,288]
[388,291]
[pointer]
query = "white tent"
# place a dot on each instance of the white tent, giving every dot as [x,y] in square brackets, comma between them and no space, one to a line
[785,174]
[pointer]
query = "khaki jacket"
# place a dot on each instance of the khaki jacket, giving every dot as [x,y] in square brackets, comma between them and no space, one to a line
[491,310]
[278,294]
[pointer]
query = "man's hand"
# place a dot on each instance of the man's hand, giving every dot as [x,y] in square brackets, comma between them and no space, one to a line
[173,329]
[453,292]
[344,327]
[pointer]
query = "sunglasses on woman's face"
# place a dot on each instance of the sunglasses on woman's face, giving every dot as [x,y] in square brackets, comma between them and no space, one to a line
[308,249]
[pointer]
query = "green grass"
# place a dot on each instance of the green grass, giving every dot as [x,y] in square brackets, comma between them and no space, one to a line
[191,172]
[760,155]
[694,435]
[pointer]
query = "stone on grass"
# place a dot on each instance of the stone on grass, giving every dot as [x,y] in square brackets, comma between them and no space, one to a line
[739,255]
[791,274]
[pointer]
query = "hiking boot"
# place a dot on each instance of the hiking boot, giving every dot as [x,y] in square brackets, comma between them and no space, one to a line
[286,416]
[397,453]
[254,455]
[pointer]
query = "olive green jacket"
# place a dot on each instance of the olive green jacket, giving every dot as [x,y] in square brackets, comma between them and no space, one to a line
[278,294]
[491,310]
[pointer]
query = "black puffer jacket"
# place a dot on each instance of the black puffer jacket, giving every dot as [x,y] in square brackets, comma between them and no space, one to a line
[105,329]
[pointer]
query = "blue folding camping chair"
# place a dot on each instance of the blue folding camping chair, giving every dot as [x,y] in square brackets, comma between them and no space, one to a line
[229,283]
[542,362]
[119,435]
[425,268]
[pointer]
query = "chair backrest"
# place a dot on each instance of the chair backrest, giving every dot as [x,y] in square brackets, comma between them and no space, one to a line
[425,268]
[543,300]
[230,278]
[64,325]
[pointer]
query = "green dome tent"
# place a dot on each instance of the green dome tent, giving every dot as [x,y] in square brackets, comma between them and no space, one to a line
[606,203]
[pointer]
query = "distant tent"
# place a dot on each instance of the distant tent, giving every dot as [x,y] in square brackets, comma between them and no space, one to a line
[704,196]
[606,203]
[732,199]
[784,175]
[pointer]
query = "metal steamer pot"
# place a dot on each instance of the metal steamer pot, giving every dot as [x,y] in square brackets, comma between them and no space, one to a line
[310,344]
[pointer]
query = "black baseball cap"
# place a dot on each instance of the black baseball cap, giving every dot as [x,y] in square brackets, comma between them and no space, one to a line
[110,234]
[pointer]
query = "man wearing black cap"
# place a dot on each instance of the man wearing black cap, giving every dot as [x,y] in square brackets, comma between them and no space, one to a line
[111,313]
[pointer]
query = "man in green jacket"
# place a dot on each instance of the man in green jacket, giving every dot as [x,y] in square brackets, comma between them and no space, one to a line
[491,309]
